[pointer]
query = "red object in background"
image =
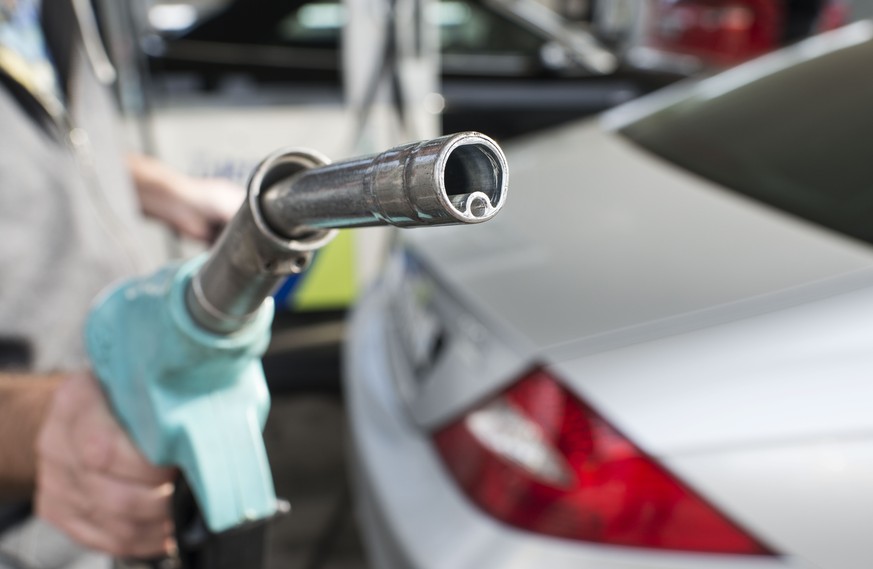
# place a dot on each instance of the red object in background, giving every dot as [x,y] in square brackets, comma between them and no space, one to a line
[538,458]
[834,14]
[720,32]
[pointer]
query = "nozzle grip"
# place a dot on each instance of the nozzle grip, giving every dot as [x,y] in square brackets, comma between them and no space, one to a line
[187,397]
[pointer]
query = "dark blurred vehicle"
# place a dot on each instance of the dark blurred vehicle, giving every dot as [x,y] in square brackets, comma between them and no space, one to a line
[508,66]
[658,355]
[502,72]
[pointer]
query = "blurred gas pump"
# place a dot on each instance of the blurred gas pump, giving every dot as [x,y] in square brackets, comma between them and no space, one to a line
[390,56]
[391,80]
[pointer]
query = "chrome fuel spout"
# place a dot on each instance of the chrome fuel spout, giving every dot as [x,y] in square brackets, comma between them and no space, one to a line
[296,201]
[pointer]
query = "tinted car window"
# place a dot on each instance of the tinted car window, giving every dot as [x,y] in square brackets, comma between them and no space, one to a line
[466,28]
[313,22]
[800,139]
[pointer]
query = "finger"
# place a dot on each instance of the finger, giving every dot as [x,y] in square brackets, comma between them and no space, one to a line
[218,199]
[122,498]
[90,492]
[119,537]
[57,484]
[134,539]
[190,222]
[107,449]
[92,439]
[101,445]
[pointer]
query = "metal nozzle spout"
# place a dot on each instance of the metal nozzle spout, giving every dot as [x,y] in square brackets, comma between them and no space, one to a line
[297,199]
[460,178]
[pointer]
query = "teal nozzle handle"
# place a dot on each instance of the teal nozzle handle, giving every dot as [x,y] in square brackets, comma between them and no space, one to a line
[188,397]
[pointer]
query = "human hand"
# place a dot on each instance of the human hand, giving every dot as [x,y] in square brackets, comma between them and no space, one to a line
[198,208]
[93,484]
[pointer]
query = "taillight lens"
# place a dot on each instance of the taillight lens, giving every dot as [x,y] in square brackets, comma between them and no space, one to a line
[722,32]
[540,459]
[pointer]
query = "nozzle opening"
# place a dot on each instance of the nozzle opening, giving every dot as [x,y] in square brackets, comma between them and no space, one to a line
[473,180]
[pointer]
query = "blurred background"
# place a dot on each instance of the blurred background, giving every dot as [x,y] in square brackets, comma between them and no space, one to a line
[213,86]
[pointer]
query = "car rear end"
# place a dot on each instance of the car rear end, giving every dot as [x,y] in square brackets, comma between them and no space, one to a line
[737,438]
[528,475]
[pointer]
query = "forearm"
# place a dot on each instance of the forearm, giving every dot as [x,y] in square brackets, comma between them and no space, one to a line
[24,401]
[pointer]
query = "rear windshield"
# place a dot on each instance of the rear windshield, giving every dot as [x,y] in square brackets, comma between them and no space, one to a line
[800,139]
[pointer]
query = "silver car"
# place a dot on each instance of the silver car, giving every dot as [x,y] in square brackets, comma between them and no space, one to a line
[659,355]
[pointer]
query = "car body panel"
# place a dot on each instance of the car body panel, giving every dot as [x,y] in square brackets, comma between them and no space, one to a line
[750,382]
[812,498]
[635,253]
[439,387]
[640,234]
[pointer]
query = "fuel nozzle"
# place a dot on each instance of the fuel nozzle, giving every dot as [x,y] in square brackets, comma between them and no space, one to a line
[297,200]
[178,352]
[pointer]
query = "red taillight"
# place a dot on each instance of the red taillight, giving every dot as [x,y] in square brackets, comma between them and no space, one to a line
[721,32]
[538,458]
